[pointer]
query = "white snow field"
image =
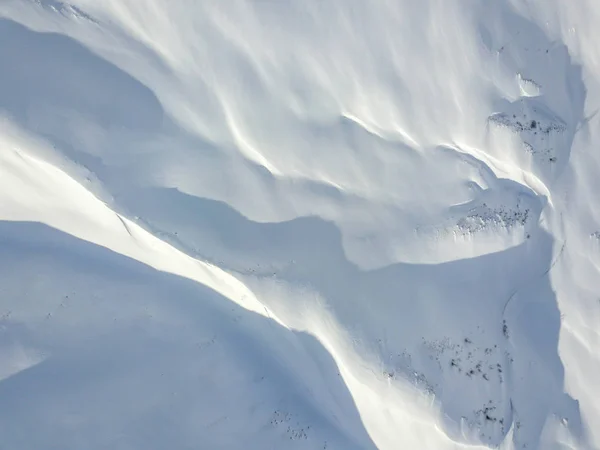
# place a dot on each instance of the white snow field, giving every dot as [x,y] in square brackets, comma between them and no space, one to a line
[299,224]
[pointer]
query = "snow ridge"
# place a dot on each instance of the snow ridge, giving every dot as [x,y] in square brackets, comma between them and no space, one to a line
[299,224]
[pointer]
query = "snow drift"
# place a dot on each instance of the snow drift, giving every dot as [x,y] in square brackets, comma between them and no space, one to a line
[299,224]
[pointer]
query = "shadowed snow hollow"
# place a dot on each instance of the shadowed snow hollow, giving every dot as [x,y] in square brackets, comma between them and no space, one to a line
[299,224]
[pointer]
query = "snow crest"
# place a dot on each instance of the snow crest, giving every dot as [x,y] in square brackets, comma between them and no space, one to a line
[299,224]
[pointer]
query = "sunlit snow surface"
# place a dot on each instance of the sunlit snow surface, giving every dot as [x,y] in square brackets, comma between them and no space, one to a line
[299,224]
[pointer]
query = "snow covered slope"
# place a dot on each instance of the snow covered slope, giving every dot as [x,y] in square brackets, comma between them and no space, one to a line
[299,224]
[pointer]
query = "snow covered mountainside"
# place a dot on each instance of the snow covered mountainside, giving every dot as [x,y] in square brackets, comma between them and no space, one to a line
[299,224]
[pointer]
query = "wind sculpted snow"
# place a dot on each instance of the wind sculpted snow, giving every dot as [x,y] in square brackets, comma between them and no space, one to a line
[299,224]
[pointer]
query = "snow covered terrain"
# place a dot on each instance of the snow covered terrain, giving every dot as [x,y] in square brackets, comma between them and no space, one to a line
[299,224]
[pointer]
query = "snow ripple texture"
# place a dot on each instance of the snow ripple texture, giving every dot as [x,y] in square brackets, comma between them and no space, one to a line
[299,224]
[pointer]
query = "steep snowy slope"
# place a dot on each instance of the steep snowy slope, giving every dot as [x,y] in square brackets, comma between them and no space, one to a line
[299,224]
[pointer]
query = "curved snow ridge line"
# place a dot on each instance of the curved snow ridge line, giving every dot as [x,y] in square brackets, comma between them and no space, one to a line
[380,133]
[199,271]
[50,196]
[126,237]
[62,203]
[102,226]
[502,169]
[243,141]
